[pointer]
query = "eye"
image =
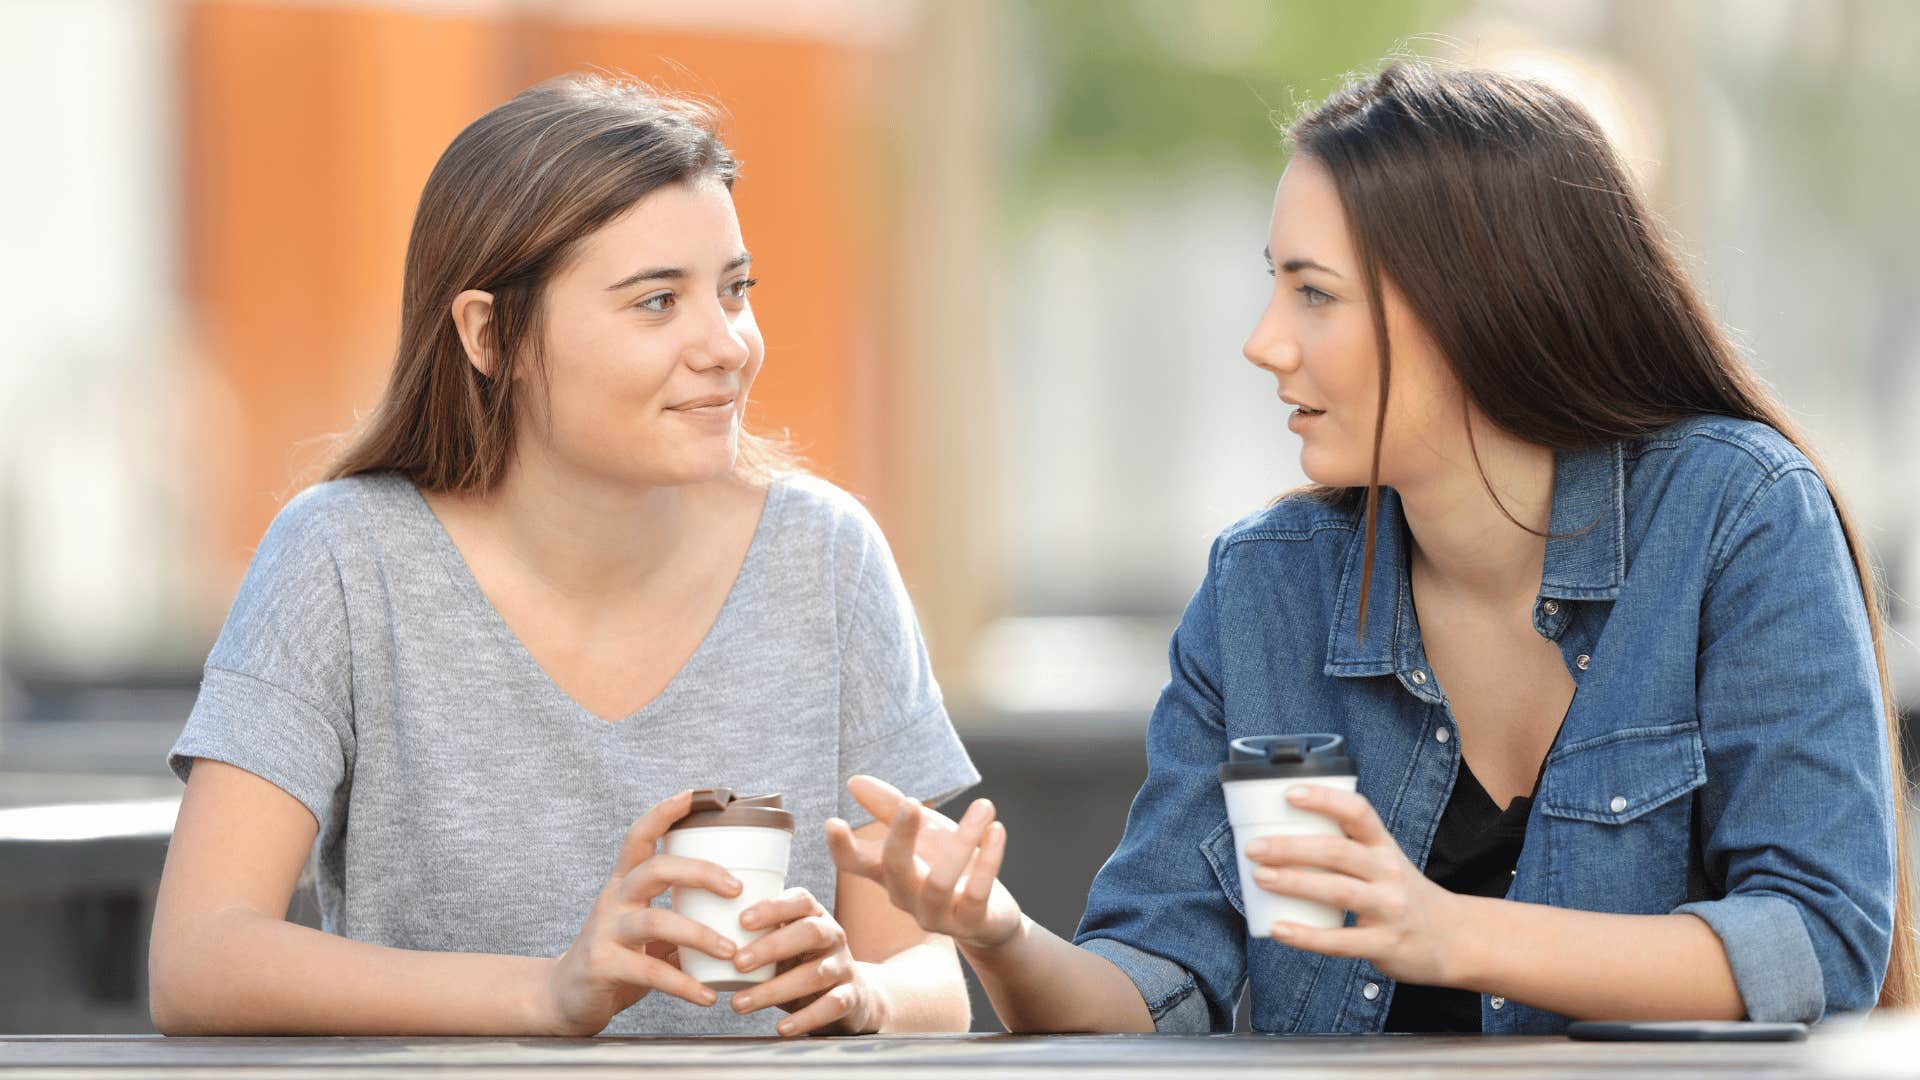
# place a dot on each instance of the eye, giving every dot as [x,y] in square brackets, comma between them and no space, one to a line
[1314,296]
[660,303]
[739,289]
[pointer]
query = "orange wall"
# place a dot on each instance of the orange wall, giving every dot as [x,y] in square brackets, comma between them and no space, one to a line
[310,130]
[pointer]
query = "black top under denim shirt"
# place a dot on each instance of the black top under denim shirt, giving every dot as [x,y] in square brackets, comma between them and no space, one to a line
[1475,848]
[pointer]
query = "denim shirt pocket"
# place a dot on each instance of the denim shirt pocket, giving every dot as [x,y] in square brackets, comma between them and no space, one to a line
[1618,821]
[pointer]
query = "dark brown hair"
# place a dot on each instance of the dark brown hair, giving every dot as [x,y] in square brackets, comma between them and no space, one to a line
[1575,326]
[502,210]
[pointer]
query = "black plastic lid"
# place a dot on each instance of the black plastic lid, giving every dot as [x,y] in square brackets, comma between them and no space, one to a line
[1276,757]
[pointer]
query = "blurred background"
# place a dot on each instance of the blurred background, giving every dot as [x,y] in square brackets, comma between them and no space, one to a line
[1010,250]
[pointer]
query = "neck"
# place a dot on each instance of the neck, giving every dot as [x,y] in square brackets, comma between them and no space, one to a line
[1462,543]
[586,537]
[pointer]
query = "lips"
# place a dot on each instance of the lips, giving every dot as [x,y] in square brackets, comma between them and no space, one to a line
[708,402]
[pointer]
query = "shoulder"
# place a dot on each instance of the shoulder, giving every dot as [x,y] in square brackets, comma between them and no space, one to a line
[327,524]
[1293,525]
[333,508]
[1724,479]
[836,518]
[1715,445]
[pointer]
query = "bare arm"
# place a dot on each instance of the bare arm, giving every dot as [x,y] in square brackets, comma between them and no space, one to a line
[916,972]
[1590,965]
[945,875]
[223,960]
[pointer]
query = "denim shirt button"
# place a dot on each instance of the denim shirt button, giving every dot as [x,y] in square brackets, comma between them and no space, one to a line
[1370,991]
[1551,607]
[1420,677]
[1442,734]
[1618,804]
[1498,1003]
[1582,661]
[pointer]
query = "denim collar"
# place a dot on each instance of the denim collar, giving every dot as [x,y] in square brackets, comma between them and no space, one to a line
[1589,501]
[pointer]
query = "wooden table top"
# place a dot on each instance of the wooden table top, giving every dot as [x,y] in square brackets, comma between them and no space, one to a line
[1881,1048]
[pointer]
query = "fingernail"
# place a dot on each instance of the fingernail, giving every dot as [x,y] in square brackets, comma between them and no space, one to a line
[1299,794]
[784,1027]
[709,998]
[1257,848]
[742,1003]
[744,961]
[749,920]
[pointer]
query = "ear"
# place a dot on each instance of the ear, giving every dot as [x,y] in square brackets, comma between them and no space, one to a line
[472,314]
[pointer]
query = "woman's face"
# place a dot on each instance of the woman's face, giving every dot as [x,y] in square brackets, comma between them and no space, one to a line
[651,345]
[1316,337]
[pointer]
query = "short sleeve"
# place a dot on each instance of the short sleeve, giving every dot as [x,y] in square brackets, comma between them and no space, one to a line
[275,697]
[893,722]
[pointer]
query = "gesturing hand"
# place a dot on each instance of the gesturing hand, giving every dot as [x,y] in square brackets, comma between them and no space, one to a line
[943,873]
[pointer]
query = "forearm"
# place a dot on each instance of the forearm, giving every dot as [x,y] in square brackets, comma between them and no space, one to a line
[243,972]
[921,989]
[1040,982]
[1590,965]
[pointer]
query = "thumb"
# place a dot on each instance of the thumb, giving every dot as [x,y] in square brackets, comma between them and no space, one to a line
[646,831]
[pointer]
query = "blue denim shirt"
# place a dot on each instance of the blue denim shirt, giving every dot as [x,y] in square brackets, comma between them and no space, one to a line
[1725,752]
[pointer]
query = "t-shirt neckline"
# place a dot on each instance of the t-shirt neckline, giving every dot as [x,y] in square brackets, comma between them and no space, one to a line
[469,587]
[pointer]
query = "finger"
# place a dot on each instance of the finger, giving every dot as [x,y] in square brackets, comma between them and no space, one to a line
[852,854]
[833,1005]
[1336,853]
[647,830]
[793,985]
[986,868]
[640,927]
[1348,941]
[795,903]
[1334,890]
[1349,809]
[804,937]
[639,969]
[944,872]
[883,801]
[880,798]
[654,876]
[896,857]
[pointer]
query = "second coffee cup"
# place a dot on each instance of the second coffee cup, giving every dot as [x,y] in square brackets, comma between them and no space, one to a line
[1255,778]
[751,839]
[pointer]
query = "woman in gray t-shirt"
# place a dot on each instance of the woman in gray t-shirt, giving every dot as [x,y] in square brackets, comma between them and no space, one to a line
[550,585]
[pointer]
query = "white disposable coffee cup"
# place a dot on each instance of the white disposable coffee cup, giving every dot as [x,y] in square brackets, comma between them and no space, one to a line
[749,837]
[1255,778]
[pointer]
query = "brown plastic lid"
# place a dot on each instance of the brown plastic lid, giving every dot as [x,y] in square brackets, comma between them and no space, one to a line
[719,806]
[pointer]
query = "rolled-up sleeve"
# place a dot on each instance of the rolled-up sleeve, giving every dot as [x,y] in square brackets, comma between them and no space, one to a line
[1797,815]
[1157,909]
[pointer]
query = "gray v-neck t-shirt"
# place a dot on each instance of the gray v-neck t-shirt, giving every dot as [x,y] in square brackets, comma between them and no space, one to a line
[467,804]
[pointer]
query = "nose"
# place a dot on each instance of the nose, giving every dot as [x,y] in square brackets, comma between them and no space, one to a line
[718,340]
[1271,346]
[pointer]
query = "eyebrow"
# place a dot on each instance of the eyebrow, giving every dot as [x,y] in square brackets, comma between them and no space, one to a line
[674,273]
[1297,264]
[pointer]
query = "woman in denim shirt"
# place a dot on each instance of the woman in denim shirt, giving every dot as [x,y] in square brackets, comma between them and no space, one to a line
[1578,554]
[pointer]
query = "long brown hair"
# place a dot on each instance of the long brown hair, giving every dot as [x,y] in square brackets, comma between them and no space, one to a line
[501,211]
[1575,327]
